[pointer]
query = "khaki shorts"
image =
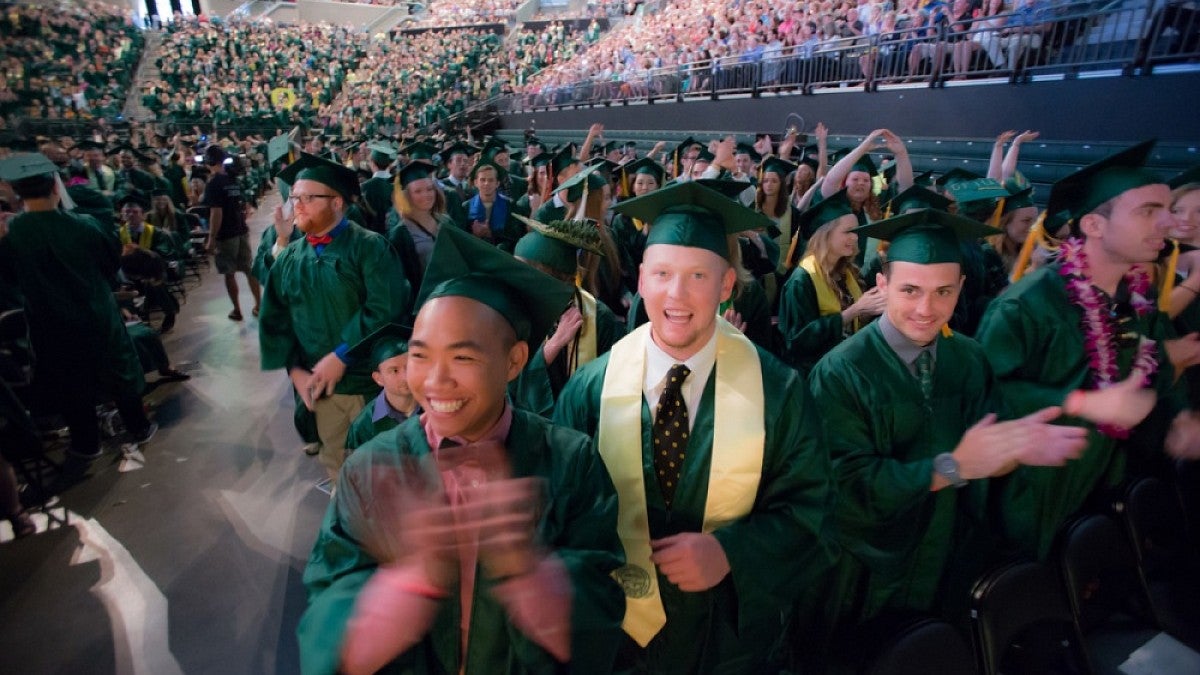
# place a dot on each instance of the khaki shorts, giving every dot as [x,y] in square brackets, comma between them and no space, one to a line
[233,255]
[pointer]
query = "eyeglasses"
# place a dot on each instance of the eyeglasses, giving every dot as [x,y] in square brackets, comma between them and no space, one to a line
[308,199]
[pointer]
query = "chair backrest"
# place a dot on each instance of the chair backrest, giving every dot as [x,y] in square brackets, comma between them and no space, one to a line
[1154,519]
[1100,572]
[924,646]
[16,352]
[1021,622]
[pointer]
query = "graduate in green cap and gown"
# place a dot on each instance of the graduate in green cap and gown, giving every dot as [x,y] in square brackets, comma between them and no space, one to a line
[1082,330]
[457,184]
[563,166]
[377,190]
[638,178]
[715,451]
[325,294]
[982,200]
[420,205]
[387,348]
[476,537]
[586,330]
[823,302]
[906,406]
[856,171]
[64,266]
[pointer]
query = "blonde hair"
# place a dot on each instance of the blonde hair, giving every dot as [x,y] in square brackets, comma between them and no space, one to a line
[405,208]
[820,248]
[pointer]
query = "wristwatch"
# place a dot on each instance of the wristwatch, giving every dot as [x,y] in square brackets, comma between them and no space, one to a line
[946,466]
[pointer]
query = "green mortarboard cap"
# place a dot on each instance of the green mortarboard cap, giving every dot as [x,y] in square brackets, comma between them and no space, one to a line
[836,155]
[494,143]
[501,172]
[1188,177]
[955,176]
[927,236]
[685,145]
[25,165]
[416,170]
[917,197]
[383,148]
[137,197]
[89,144]
[419,150]
[1020,194]
[160,192]
[705,156]
[542,159]
[535,143]
[562,160]
[629,144]
[574,186]
[557,243]
[388,341]
[604,166]
[748,149]
[690,214]
[973,195]
[644,165]
[924,179]
[277,148]
[829,209]
[778,166]
[1083,191]
[865,164]
[726,186]
[458,148]
[336,177]
[466,266]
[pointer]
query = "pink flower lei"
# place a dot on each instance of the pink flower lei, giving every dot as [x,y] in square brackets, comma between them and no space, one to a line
[1099,329]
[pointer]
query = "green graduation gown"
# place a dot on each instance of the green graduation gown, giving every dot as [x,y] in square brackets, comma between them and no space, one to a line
[537,387]
[578,523]
[807,334]
[897,536]
[314,303]
[1033,339]
[377,197]
[365,426]
[783,546]
[549,212]
[263,260]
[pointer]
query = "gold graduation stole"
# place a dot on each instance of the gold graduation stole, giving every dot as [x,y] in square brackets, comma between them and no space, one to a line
[144,240]
[737,457]
[583,350]
[827,298]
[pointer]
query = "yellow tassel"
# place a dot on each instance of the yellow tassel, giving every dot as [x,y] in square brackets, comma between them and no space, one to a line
[1168,281]
[626,187]
[1031,240]
[760,170]
[946,332]
[578,277]
[638,225]
[887,213]
[997,214]
[675,162]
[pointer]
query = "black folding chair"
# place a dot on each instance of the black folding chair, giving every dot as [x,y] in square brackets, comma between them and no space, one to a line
[905,644]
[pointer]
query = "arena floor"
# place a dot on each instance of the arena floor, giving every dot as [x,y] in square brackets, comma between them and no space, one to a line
[193,563]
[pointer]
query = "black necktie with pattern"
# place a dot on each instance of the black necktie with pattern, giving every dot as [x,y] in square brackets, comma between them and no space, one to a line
[671,432]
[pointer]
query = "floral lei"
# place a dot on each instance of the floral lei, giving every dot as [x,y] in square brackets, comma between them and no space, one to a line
[1099,329]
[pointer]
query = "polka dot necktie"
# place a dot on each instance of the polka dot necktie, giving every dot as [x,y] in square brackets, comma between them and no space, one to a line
[671,432]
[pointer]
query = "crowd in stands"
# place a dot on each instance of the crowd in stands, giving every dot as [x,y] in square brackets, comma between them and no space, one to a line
[467,12]
[66,60]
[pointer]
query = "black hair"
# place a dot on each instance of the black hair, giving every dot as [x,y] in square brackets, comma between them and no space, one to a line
[34,187]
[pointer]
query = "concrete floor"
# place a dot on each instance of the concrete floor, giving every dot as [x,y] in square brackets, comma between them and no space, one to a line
[193,563]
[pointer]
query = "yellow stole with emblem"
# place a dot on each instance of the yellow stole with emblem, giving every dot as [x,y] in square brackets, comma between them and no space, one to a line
[583,350]
[739,431]
[144,240]
[827,298]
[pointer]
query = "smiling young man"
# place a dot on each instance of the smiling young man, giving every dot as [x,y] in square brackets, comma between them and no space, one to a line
[1082,327]
[908,416]
[476,537]
[714,450]
[326,293]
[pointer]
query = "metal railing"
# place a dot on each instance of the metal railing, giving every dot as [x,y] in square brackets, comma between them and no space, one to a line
[1065,40]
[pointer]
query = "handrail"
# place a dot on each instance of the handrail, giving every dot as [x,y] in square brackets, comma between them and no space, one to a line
[1077,38]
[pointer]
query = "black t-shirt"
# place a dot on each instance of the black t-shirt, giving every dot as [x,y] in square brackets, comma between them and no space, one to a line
[224,193]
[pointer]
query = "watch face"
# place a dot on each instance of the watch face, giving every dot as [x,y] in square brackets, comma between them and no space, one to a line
[945,464]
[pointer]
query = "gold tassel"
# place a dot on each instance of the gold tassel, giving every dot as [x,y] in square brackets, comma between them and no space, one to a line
[639,225]
[675,162]
[1031,240]
[887,213]
[1168,281]
[997,214]
[626,187]
[946,332]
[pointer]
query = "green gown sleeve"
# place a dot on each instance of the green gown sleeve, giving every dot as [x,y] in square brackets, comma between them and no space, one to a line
[807,334]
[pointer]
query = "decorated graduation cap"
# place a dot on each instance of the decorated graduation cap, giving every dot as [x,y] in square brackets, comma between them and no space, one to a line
[594,179]
[557,244]
[388,341]
[1188,177]
[926,236]
[26,165]
[414,171]
[829,209]
[336,177]
[917,197]
[463,265]
[691,214]
[978,194]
